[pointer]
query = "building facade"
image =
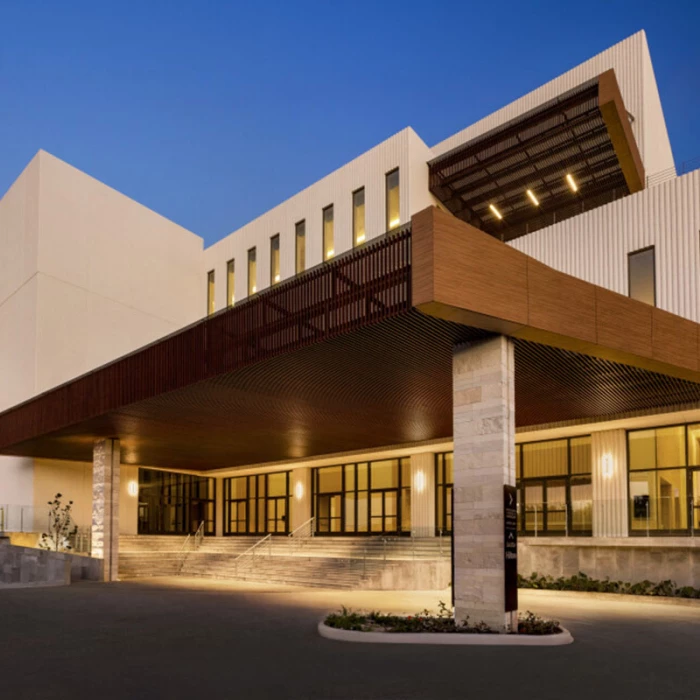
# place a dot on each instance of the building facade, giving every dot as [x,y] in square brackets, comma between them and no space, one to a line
[577,176]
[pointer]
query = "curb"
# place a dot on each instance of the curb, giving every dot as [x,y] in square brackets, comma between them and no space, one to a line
[491,640]
[614,597]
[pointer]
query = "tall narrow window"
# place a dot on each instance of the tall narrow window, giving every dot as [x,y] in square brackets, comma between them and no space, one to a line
[328,247]
[252,272]
[393,216]
[358,216]
[211,303]
[300,247]
[230,282]
[275,259]
[642,275]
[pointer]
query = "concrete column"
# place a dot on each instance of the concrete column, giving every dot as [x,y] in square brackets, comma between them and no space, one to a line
[610,506]
[484,460]
[300,484]
[423,495]
[106,464]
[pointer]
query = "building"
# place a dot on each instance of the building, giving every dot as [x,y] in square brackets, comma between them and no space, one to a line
[384,351]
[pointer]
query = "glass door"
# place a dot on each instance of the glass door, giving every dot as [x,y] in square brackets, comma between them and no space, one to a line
[384,511]
[277,514]
[330,515]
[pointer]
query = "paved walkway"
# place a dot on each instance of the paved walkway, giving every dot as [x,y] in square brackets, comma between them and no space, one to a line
[194,639]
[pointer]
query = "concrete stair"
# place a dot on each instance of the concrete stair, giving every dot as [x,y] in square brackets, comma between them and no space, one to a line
[328,562]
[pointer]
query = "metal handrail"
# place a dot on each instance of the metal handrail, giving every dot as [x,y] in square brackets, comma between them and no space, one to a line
[299,540]
[250,551]
[199,536]
[310,522]
[185,543]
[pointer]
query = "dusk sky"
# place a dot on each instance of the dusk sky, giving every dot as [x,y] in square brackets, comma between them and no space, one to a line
[210,113]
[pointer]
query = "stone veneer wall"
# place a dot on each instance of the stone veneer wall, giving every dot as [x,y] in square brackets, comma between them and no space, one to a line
[25,566]
[631,560]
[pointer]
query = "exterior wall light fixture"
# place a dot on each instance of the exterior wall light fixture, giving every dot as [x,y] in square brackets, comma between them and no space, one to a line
[133,488]
[607,466]
[299,491]
[420,481]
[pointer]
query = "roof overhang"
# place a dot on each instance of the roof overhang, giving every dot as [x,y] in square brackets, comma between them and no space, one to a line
[585,133]
[357,355]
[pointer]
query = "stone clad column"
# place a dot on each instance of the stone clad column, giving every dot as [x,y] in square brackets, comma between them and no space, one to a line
[300,486]
[423,494]
[609,467]
[484,460]
[105,505]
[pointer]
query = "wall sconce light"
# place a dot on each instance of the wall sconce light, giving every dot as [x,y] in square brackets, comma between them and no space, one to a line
[299,491]
[607,466]
[132,488]
[420,481]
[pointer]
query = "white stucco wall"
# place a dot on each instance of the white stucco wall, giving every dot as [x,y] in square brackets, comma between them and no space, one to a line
[404,150]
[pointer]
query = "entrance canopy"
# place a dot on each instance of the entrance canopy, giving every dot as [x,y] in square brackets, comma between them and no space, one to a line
[573,153]
[357,354]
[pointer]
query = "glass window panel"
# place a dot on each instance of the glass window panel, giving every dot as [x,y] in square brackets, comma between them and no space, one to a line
[328,244]
[253,486]
[694,445]
[349,477]
[449,468]
[393,216]
[518,461]
[673,499]
[231,282]
[581,458]
[358,216]
[330,479]
[545,458]
[406,510]
[642,449]
[642,285]
[300,246]
[556,505]
[362,476]
[534,507]
[275,259]
[350,512]
[406,472]
[252,272]
[642,499]
[670,447]
[277,484]
[384,474]
[211,302]
[362,511]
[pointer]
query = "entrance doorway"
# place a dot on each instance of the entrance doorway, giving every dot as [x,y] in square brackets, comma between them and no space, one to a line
[330,517]
[694,504]
[384,511]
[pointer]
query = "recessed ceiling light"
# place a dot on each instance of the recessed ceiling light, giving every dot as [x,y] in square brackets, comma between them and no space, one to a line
[495,211]
[572,182]
[532,197]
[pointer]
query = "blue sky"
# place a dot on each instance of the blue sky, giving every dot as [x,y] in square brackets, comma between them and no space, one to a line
[210,113]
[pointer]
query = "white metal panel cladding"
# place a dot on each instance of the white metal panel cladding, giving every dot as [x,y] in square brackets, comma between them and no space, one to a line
[629,59]
[401,151]
[594,246]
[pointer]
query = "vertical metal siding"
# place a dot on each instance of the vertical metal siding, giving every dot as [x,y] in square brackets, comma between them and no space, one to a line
[594,246]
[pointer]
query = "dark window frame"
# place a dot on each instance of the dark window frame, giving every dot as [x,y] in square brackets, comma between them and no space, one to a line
[630,255]
[230,292]
[355,244]
[301,222]
[274,238]
[386,197]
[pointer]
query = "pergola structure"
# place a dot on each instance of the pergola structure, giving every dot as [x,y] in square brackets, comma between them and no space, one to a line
[584,134]
[432,332]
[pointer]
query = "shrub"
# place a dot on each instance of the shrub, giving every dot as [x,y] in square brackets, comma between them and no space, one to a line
[581,582]
[426,621]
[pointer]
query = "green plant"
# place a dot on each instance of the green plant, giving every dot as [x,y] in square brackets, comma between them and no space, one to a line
[582,582]
[61,527]
[534,624]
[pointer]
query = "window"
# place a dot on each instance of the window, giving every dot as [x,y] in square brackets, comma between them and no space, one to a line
[257,504]
[300,247]
[358,216]
[252,272]
[365,498]
[663,479]
[393,215]
[211,302]
[275,259]
[328,247]
[175,504]
[230,282]
[555,486]
[642,275]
